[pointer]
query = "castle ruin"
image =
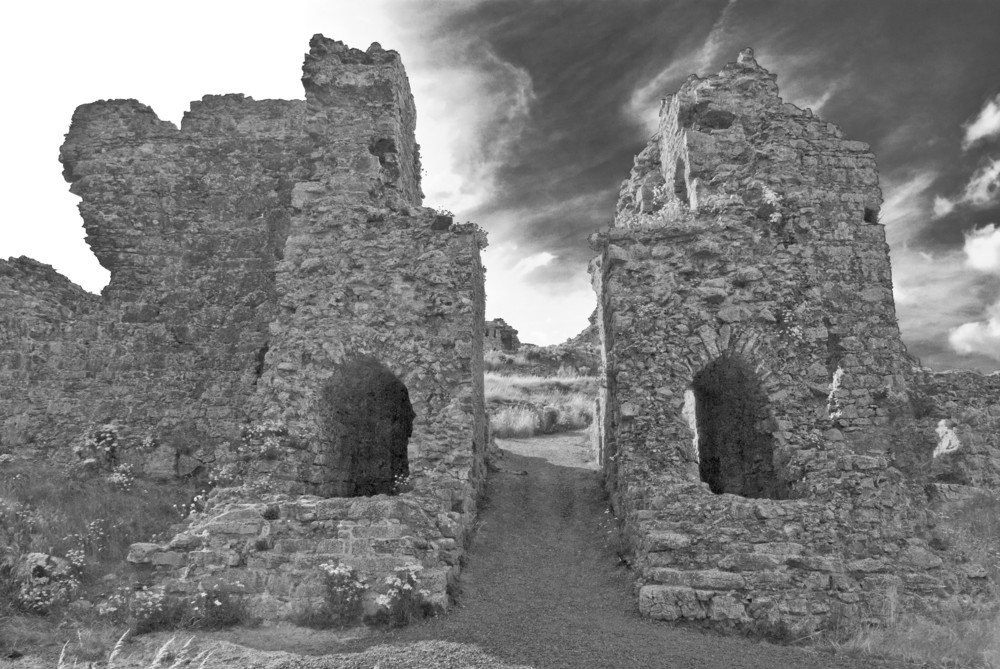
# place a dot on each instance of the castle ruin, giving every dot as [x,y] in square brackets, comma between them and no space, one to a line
[279,302]
[753,365]
[283,313]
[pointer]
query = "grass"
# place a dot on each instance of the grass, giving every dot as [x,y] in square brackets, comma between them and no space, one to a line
[912,638]
[971,528]
[81,523]
[522,406]
[544,361]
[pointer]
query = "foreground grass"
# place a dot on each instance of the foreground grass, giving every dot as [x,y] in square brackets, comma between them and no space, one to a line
[84,522]
[971,528]
[522,406]
[969,643]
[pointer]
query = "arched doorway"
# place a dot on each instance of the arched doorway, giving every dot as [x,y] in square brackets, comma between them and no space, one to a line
[366,421]
[735,440]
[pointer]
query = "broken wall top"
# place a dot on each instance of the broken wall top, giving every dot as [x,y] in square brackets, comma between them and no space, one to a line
[728,142]
[144,182]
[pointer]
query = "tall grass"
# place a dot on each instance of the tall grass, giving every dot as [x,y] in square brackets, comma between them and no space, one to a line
[521,406]
[970,528]
[90,519]
[913,638]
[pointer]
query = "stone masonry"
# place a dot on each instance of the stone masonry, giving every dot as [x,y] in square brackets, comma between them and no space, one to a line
[753,369]
[283,316]
[501,337]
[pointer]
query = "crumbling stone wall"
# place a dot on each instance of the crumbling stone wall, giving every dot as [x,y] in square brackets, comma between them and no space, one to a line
[751,351]
[501,337]
[257,253]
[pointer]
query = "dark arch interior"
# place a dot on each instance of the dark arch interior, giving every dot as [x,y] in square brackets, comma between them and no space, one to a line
[366,421]
[735,443]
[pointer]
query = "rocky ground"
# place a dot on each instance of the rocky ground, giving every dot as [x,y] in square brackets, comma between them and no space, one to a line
[543,587]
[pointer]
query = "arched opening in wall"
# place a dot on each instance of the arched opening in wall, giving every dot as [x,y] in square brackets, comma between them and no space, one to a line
[366,420]
[680,183]
[734,431]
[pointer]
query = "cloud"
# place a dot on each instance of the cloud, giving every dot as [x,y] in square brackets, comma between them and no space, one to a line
[943,206]
[982,249]
[985,125]
[982,337]
[904,211]
[469,129]
[544,311]
[983,188]
[642,105]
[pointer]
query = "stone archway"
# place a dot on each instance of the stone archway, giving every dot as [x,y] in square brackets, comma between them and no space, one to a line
[734,430]
[366,420]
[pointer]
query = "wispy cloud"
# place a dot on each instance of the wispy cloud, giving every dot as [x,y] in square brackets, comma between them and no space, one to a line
[469,128]
[642,105]
[986,124]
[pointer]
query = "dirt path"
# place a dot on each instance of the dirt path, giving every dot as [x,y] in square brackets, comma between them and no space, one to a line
[542,588]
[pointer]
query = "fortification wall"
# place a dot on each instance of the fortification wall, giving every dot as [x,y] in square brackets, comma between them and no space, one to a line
[752,357]
[283,319]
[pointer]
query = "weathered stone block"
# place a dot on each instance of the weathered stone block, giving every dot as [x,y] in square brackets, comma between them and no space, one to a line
[666,602]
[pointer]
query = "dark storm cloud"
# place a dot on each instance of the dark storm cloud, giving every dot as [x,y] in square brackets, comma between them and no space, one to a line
[908,76]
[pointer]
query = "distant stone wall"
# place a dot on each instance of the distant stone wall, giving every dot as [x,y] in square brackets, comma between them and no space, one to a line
[501,337]
[258,254]
[752,360]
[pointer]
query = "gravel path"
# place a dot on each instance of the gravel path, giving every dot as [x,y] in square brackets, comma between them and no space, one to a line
[541,587]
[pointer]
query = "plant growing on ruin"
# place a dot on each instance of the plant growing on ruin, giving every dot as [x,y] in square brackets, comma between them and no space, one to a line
[344,592]
[99,447]
[400,600]
[45,582]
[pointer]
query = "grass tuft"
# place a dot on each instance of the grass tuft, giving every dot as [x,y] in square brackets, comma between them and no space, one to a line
[521,406]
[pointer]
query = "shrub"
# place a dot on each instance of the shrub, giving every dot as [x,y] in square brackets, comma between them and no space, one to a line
[342,605]
[401,601]
[517,422]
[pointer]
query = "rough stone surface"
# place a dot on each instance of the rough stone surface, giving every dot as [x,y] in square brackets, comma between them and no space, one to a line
[255,252]
[501,337]
[754,373]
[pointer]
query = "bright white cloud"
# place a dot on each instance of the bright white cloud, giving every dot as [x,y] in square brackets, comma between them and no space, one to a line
[982,337]
[985,124]
[942,206]
[468,128]
[542,313]
[982,249]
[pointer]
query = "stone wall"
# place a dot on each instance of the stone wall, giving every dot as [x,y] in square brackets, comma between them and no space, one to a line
[751,357]
[260,255]
[501,337]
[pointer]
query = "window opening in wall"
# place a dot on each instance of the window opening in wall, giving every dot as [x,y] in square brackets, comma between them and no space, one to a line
[734,431]
[366,420]
[680,183]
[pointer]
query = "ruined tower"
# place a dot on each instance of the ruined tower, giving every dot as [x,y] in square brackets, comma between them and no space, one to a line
[751,347]
[280,303]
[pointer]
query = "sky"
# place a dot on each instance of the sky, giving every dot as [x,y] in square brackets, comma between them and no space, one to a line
[529,113]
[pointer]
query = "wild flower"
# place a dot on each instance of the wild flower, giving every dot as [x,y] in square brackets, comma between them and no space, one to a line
[401,600]
[402,483]
[122,477]
[47,581]
[345,590]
